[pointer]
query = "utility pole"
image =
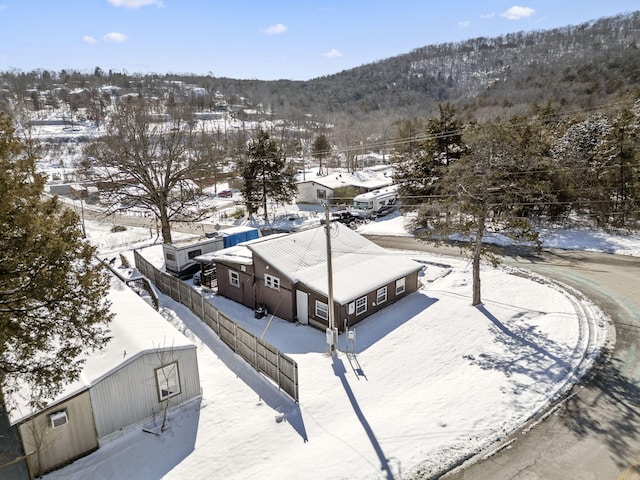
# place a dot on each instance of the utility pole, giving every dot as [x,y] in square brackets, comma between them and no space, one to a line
[332,331]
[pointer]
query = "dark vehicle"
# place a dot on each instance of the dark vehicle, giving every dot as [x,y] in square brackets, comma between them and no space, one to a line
[225,194]
[208,280]
[343,216]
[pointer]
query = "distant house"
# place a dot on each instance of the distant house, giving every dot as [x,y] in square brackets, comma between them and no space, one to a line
[288,275]
[148,365]
[319,190]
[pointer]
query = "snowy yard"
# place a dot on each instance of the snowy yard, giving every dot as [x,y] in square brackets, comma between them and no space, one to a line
[431,381]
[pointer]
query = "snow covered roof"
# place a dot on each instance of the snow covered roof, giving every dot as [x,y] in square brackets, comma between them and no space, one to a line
[136,329]
[238,254]
[367,178]
[358,265]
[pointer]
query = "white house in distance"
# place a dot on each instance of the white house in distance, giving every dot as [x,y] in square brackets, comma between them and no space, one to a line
[147,368]
[318,190]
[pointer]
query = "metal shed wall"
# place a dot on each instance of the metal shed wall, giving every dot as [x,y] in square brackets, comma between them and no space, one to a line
[57,446]
[129,396]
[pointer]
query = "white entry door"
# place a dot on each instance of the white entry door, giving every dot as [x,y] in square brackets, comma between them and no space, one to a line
[302,307]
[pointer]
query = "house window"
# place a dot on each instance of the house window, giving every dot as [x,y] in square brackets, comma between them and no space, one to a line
[170,256]
[168,381]
[361,305]
[234,278]
[400,286]
[381,295]
[194,253]
[271,281]
[58,419]
[322,311]
[321,194]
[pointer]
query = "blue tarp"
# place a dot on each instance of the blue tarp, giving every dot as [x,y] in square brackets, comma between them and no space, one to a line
[236,238]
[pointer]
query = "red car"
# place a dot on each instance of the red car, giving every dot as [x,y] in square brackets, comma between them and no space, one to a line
[225,194]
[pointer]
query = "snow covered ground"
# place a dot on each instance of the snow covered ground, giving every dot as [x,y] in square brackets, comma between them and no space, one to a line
[431,379]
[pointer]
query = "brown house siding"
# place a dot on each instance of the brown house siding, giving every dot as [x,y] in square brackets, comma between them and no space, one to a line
[281,302]
[244,293]
[342,311]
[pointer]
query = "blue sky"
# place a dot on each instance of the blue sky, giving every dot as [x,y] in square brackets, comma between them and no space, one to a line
[260,39]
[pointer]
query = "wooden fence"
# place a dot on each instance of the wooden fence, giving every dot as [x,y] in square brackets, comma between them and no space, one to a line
[262,356]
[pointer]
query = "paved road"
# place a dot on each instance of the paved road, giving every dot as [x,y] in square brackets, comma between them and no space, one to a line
[595,433]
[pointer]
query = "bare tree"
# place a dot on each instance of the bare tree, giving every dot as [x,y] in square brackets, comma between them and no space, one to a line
[147,159]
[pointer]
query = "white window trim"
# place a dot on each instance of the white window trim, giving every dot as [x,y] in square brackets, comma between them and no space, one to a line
[400,286]
[322,310]
[361,305]
[234,278]
[381,295]
[168,381]
[272,282]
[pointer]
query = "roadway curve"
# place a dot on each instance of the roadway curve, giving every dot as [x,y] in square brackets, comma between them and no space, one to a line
[594,433]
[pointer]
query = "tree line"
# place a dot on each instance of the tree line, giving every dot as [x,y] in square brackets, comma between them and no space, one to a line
[510,177]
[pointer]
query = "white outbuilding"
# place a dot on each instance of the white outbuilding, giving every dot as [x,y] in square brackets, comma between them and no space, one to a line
[147,369]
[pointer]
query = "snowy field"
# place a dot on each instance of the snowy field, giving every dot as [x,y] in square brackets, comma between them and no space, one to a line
[431,379]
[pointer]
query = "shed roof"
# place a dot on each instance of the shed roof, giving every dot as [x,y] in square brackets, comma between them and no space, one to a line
[136,329]
[358,265]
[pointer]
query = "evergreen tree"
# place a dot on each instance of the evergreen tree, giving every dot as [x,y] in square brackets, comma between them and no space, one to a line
[266,175]
[52,290]
[490,188]
[320,150]
[424,151]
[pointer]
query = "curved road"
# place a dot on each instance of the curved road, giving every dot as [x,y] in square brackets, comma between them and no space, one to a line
[594,434]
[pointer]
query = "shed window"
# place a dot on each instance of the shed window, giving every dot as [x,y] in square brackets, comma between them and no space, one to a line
[322,311]
[234,278]
[381,295]
[400,286]
[168,381]
[170,256]
[271,281]
[361,305]
[321,194]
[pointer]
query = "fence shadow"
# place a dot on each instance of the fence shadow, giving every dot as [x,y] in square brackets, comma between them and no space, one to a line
[265,390]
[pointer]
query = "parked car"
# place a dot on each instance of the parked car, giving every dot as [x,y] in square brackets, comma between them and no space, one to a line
[197,278]
[343,216]
[225,194]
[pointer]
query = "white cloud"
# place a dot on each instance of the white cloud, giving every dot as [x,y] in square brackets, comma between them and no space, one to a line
[88,39]
[516,13]
[333,53]
[276,29]
[464,23]
[487,15]
[135,3]
[115,37]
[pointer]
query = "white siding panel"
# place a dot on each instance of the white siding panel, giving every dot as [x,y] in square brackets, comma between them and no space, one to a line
[129,396]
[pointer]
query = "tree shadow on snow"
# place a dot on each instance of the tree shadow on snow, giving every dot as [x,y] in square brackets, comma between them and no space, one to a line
[524,353]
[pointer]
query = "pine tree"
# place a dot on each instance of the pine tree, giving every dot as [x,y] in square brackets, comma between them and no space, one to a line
[266,175]
[320,150]
[52,289]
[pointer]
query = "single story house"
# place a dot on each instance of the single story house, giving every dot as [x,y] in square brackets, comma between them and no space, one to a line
[288,275]
[318,190]
[147,368]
